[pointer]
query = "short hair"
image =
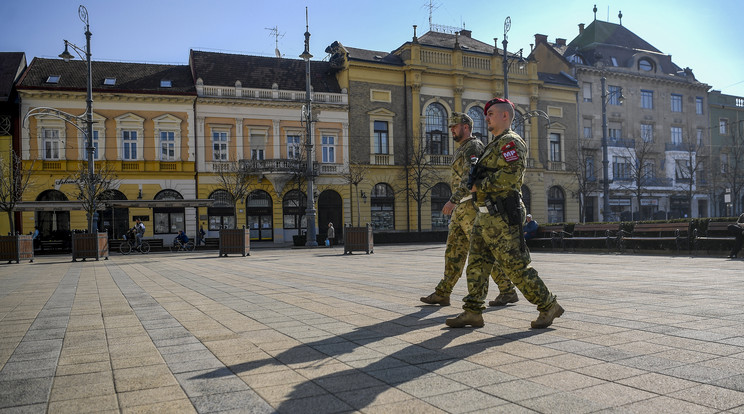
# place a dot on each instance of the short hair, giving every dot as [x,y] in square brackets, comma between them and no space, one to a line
[507,105]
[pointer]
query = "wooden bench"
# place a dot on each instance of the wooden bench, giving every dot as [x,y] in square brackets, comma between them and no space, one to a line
[657,233]
[554,234]
[717,231]
[211,243]
[590,232]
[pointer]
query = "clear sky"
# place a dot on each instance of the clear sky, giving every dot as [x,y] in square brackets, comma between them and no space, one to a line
[698,34]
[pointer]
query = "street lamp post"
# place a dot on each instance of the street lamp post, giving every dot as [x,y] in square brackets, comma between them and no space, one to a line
[67,56]
[308,113]
[605,152]
[507,60]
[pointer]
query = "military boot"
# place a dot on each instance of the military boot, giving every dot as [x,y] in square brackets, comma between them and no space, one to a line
[546,317]
[503,299]
[435,299]
[464,319]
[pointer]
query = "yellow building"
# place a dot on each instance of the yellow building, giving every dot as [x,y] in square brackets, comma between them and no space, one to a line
[143,130]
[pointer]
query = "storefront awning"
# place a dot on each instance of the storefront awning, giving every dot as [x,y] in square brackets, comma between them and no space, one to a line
[77,205]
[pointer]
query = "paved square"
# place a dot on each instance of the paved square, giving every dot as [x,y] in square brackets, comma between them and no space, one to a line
[314,331]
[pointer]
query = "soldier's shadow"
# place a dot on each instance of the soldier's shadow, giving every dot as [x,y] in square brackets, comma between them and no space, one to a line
[406,364]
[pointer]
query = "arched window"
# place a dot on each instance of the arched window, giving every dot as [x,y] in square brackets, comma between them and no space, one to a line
[113,220]
[527,198]
[383,207]
[53,225]
[440,194]
[294,206]
[480,129]
[556,205]
[436,130]
[168,220]
[222,212]
[259,211]
[518,124]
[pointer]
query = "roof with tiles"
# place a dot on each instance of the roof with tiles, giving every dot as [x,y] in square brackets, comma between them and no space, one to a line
[123,77]
[224,69]
[447,40]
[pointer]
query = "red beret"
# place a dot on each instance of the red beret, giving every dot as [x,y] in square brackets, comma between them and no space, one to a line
[496,101]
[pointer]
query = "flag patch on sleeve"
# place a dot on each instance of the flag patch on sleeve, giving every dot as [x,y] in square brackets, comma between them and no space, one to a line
[509,151]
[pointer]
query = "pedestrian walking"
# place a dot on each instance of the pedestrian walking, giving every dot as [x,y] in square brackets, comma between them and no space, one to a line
[331,235]
[461,207]
[497,233]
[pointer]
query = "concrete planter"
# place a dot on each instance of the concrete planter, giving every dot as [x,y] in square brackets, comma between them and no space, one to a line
[89,245]
[358,239]
[17,247]
[235,241]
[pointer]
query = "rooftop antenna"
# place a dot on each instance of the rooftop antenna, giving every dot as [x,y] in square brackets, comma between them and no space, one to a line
[431,6]
[595,12]
[275,33]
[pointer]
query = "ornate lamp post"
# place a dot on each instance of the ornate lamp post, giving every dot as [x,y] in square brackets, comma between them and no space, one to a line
[67,56]
[606,96]
[308,114]
[507,60]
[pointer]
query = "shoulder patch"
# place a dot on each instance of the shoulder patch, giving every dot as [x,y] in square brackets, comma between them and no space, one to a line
[509,152]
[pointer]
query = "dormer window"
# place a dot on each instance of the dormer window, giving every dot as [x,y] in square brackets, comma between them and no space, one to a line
[575,59]
[645,65]
[166,83]
[53,79]
[109,81]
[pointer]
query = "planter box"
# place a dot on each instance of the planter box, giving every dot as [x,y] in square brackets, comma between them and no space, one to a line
[358,239]
[235,241]
[16,248]
[89,245]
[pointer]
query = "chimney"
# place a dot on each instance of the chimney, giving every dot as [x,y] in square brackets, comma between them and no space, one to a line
[581,28]
[540,38]
[466,33]
[560,42]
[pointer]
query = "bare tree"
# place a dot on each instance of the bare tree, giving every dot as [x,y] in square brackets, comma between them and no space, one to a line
[585,172]
[641,169]
[354,175]
[689,167]
[733,169]
[421,175]
[90,189]
[233,178]
[14,181]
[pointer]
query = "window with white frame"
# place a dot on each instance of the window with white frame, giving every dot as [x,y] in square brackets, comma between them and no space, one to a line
[219,145]
[649,169]
[723,126]
[699,105]
[647,99]
[676,101]
[258,146]
[621,168]
[555,147]
[50,143]
[613,93]
[293,147]
[739,102]
[588,133]
[647,132]
[587,91]
[128,145]
[167,145]
[676,133]
[700,138]
[590,173]
[682,170]
[328,149]
[381,145]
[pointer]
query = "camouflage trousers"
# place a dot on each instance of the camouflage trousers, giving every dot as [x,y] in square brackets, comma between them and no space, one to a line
[458,244]
[495,244]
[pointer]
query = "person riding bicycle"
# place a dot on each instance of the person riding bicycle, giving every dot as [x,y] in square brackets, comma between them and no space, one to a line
[139,232]
[181,239]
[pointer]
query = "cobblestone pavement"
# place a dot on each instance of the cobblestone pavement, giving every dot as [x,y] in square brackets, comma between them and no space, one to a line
[314,331]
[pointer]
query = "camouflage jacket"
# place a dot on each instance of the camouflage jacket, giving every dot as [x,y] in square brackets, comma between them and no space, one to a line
[461,167]
[506,158]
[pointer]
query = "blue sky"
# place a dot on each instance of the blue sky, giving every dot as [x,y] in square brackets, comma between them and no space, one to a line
[701,35]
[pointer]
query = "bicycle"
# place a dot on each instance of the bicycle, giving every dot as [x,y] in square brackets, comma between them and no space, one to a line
[130,242]
[177,246]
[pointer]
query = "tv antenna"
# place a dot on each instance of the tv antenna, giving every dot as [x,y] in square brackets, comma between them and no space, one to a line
[275,33]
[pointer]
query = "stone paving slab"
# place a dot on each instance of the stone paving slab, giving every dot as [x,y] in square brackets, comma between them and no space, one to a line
[312,330]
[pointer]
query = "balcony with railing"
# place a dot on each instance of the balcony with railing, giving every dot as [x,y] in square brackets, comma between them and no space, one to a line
[381,159]
[439,159]
[556,166]
[677,146]
[657,182]
[278,165]
[621,142]
[270,94]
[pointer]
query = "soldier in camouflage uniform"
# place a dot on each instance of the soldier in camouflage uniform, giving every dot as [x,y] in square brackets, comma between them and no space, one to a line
[461,224]
[497,233]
